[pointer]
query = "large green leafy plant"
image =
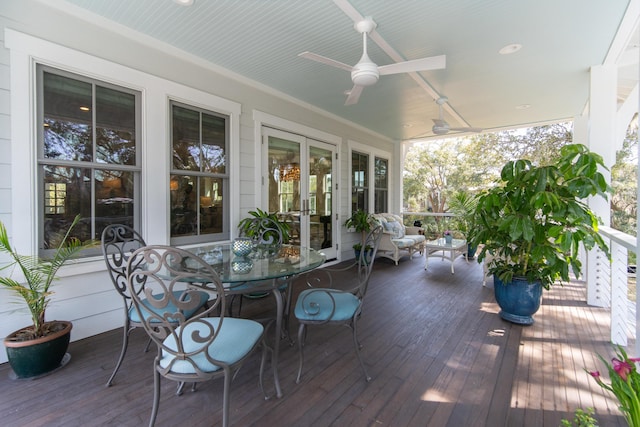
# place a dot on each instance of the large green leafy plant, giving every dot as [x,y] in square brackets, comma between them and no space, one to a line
[39,274]
[535,220]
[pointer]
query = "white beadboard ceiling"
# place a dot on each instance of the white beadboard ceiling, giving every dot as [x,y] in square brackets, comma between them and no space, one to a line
[261,39]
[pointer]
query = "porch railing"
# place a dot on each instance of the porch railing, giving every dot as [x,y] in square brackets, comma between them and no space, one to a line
[624,312]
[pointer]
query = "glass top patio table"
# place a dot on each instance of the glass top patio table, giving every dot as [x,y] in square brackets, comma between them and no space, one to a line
[236,271]
[453,249]
[259,273]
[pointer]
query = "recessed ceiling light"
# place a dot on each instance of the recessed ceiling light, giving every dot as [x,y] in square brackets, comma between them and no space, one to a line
[523,106]
[510,48]
[84,108]
[184,2]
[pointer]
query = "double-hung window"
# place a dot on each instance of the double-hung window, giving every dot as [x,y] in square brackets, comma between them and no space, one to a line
[369,178]
[88,156]
[199,181]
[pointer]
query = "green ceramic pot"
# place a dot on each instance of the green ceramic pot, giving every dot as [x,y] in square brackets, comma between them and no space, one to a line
[34,358]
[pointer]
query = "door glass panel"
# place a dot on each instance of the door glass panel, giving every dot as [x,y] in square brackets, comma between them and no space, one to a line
[320,200]
[284,183]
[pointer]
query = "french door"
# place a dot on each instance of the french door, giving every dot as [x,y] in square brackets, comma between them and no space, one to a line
[298,185]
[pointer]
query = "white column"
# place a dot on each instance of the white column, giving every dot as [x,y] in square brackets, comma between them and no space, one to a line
[601,136]
[399,153]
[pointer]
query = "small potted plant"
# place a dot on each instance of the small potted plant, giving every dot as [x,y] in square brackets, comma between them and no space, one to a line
[39,348]
[532,224]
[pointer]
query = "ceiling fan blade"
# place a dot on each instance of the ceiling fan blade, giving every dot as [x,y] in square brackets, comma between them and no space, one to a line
[354,95]
[469,129]
[349,10]
[424,64]
[324,60]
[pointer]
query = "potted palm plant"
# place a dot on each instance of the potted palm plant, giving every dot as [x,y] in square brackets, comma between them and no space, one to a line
[533,223]
[360,222]
[39,348]
[463,205]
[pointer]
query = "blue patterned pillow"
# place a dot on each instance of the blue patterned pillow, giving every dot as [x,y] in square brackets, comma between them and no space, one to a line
[396,228]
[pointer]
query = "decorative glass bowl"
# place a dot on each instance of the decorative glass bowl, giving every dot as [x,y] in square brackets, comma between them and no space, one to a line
[241,265]
[242,246]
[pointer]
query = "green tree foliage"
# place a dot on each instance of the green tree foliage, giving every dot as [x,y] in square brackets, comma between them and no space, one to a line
[436,170]
[625,184]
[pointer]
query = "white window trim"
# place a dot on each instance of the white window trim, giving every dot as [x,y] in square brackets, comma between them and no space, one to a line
[25,52]
[372,152]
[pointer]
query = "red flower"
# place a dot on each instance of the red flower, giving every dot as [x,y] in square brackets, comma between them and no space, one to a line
[622,368]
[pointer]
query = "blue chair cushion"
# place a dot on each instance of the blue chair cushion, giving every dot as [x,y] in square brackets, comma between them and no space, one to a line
[235,340]
[346,305]
[171,308]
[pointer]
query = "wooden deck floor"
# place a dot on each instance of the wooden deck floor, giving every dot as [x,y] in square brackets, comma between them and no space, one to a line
[437,350]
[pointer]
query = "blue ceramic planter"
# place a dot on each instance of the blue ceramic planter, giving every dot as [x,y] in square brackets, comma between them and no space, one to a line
[519,300]
[471,251]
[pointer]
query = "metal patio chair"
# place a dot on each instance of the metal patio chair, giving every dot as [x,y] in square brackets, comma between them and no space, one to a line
[194,348]
[322,304]
[119,241]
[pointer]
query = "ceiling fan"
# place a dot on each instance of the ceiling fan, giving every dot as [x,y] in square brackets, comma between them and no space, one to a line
[366,72]
[441,127]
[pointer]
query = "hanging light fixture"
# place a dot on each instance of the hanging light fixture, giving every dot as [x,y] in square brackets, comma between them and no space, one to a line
[290,172]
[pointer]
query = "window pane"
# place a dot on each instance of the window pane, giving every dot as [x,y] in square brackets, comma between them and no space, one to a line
[213,143]
[115,127]
[186,139]
[114,199]
[381,201]
[381,185]
[67,118]
[359,179]
[381,166]
[211,205]
[66,192]
[359,199]
[184,214]
[359,166]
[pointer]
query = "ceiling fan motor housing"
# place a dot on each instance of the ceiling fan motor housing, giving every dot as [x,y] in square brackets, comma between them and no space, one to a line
[441,129]
[365,74]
